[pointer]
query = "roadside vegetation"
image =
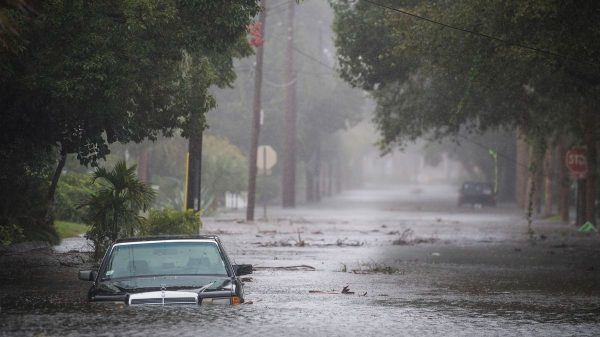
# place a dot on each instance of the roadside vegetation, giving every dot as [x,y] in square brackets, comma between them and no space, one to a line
[459,69]
[123,72]
[171,222]
[66,229]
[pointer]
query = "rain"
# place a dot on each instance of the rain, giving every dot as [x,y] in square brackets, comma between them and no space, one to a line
[386,167]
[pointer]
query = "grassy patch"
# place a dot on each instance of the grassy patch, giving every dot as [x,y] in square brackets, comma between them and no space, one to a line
[67,229]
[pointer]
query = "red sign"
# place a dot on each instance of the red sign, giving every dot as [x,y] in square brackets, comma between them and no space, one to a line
[577,162]
[255,31]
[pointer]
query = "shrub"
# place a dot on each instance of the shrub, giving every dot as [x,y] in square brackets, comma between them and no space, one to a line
[73,189]
[10,234]
[224,169]
[171,222]
[113,210]
[24,175]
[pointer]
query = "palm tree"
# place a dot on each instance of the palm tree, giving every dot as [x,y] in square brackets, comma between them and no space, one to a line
[113,211]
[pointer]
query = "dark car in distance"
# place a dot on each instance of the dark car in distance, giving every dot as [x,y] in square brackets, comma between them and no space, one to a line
[476,194]
[167,270]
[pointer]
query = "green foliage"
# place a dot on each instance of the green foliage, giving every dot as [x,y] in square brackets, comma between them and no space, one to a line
[10,234]
[73,189]
[113,210]
[81,75]
[207,204]
[24,171]
[433,81]
[122,70]
[224,168]
[171,222]
[67,229]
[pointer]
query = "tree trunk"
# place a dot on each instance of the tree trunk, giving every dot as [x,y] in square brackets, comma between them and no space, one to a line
[318,173]
[194,187]
[521,170]
[563,180]
[339,176]
[252,153]
[143,166]
[590,126]
[591,180]
[548,181]
[581,204]
[289,158]
[329,178]
[310,183]
[62,159]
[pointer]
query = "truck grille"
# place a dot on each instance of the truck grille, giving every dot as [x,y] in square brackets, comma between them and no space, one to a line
[163,298]
[147,301]
[181,300]
[165,301]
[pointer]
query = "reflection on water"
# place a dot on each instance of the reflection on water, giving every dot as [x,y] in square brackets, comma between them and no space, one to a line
[280,315]
[282,305]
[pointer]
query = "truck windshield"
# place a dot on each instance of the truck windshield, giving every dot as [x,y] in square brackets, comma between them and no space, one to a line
[164,258]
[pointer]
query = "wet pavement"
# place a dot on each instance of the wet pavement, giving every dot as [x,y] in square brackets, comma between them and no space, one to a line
[416,264]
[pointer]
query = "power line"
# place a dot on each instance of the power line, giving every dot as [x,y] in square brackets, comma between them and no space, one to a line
[307,55]
[314,59]
[472,32]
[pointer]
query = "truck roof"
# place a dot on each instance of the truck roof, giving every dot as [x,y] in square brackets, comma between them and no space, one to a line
[168,237]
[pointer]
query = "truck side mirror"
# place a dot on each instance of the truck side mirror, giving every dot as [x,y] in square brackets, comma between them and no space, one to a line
[242,269]
[87,275]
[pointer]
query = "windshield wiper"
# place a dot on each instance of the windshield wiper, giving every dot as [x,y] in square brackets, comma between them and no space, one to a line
[199,290]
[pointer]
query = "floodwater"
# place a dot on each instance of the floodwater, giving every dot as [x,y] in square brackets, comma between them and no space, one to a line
[414,262]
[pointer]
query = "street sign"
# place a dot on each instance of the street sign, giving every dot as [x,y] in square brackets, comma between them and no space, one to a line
[576,162]
[266,158]
[588,227]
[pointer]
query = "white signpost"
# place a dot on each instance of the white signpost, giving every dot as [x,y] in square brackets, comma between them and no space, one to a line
[265,160]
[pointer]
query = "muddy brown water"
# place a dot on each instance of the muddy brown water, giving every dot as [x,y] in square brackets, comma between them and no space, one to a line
[458,272]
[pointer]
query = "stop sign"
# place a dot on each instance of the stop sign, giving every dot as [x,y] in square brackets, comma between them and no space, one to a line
[266,157]
[576,161]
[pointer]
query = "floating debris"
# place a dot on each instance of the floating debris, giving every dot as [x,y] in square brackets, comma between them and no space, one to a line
[329,292]
[375,268]
[281,243]
[302,267]
[267,232]
[346,290]
[406,239]
[348,243]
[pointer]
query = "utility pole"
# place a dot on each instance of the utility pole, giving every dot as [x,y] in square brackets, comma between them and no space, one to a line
[320,140]
[289,157]
[252,167]
[194,168]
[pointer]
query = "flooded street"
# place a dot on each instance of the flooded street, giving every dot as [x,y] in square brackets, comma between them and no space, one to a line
[414,264]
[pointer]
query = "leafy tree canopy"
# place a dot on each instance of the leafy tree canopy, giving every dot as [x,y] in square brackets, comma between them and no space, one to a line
[540,68]
[79,75]
[88,74]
